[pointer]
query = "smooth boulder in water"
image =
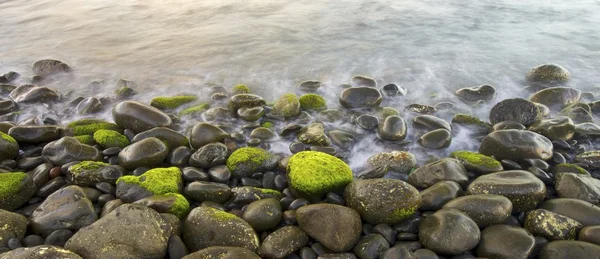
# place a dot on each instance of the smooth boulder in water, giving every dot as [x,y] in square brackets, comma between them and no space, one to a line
[139,117]
[484,209]
[504,241]
[360,97]
[148,152]
[46,67]
[446,169]
[548,74]
[393,128]
[34,94]
[477,93]
[559,128]
[516,145]
[557,97]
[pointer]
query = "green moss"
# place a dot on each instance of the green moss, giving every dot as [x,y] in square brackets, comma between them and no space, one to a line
[467,119]
[402,213]
[220,215]
[171,102]
[181,207]
[85,166]
[287,106]
[249,156]
[267,124]
[90,126]
[10,183]
[476,158]
[85,139]
[8,137]
[158,180]
[312,173]
[110,138]
[569,168]
[241,89]
[269,191]
[194,110]
[312,102]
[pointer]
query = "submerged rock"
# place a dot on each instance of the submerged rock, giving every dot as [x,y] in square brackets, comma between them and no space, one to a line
[548,74]
[314,134]
[46,67]
[393,128]
[34,94]
[476,93]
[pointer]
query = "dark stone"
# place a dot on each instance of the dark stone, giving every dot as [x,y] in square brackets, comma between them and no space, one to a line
[207,191]
[59,237]
[34,94]
[371,246]
[338,228]
[360,97]
[516,145]
[69,149]
[360,80]
[35,134]
[476,93]
[208,155]
[13,225]
[517,110]
[436,139]
[449,231]
[283,242]
[191,174]
[314,134]
[434,197]
[556,97]
[484,209]
[91,176]
[171,138]
[148,152]
[446,169]
[559,128]
[367,122]
[578,186]
[569,249]
[584,212]
[393,128]
[139,117]
[204,133]
[223,252]
[219,174]
[177,248]
[503,241]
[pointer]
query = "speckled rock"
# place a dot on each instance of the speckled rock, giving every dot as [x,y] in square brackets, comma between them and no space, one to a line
[14,225]
[505,242]
[449,231]
[559,128]
[282,242]
[551,225]
[548,74]
[446,169]
[40,252]
[516,145]
[336,227]
[47,67]
[517,110]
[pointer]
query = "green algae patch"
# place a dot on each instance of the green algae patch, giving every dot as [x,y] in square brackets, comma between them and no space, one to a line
[477,162]
[569,168]
[312,102]
[86,139]
[287,106]
[240,89]
[180,207]
[313,174]
[158,180]
[9,146]
[247,160]
[267,124]
[10,184]
[90,126]
[194,110]
[7,138]
[110,138]
[172,102]
[86,166]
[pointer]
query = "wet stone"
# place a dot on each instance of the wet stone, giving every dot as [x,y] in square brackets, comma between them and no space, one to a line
[367,122]
[449,232]
[556,97]
[516,145]
[548,74]
[503,241]
[360,80]
[393,128]
[476,93]
[436,139]
[447,169]
[360,97]
[551,225]
[517,110]
[391,90]
[420,108]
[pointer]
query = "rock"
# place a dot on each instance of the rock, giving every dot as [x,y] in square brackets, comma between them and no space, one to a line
[484,209]
[578,186]
[67,208]
[516,145]
[90,173]
[309,86]
[312,102]
[505,242]
[589,158]
[173,203]
[9,77]
[522,188]
[367,122]
[171,102]
[446,169]
[449,231]
[287,106]
[360,97]
[360,80]
[551,225]
[139,117]
[111,236]
[478,163]
[476,93]
[472,123]
[382,200]
[336,227]
[436,139]
[171,138]
[430,122]
[241,196]
[9,148]
[282,242]
[34,94]
[569,249]
[204,133]
[207,191]
[559,128]
[548,74]
[400,162]
[371,246]
[264,134]
[90,126]
[314,134]
[222,252]
[579,113]
[587,129]
[251,114]
[248,160]
[205,227]
[393,128]
[35,134]
[15,189]
[40,252]
[312,174]
[263,214]
[244,101]
[420,108]
[197,110]
[89,105]
[13,226]
[208,155]
[46,67]
[434,197]
[506,125]
[517,110]
[110,138]
[149,152]
[556,97]
[155,181]
[7,106]
[341,138]
[332,115]
[590,234]
[584,212]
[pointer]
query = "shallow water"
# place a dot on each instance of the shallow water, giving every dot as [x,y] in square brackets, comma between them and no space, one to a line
[431,47]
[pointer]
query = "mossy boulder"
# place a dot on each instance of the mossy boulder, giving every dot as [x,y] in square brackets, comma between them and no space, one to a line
[110,138]
[476,162]
[15,190]
[206,227]
[85,139]
[381,200]
[89,173]
[40,252]
[14,225]
[171,102]
[90,126]
[312,174]
[156,181]
[287,106]
[173,203]
[195,110]
[312,102]
[248,160]
[471,122]
[244,101]
[9,148]
[268,125]
[240,89]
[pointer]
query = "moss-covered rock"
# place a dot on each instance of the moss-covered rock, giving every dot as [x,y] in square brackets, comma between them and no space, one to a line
[89,173]
[312,102]
[90,126]
[241,89]
[195,110]
[124,92]
[568,168]
[267,124]
[171,102]
[471,122]
[476,162]
[15,190]
[85,139]
[219,252]
[9,148]
[312,174]
[173,203]
[248,160]
[548,74]
[110,138]
[156,181]
[287,106]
